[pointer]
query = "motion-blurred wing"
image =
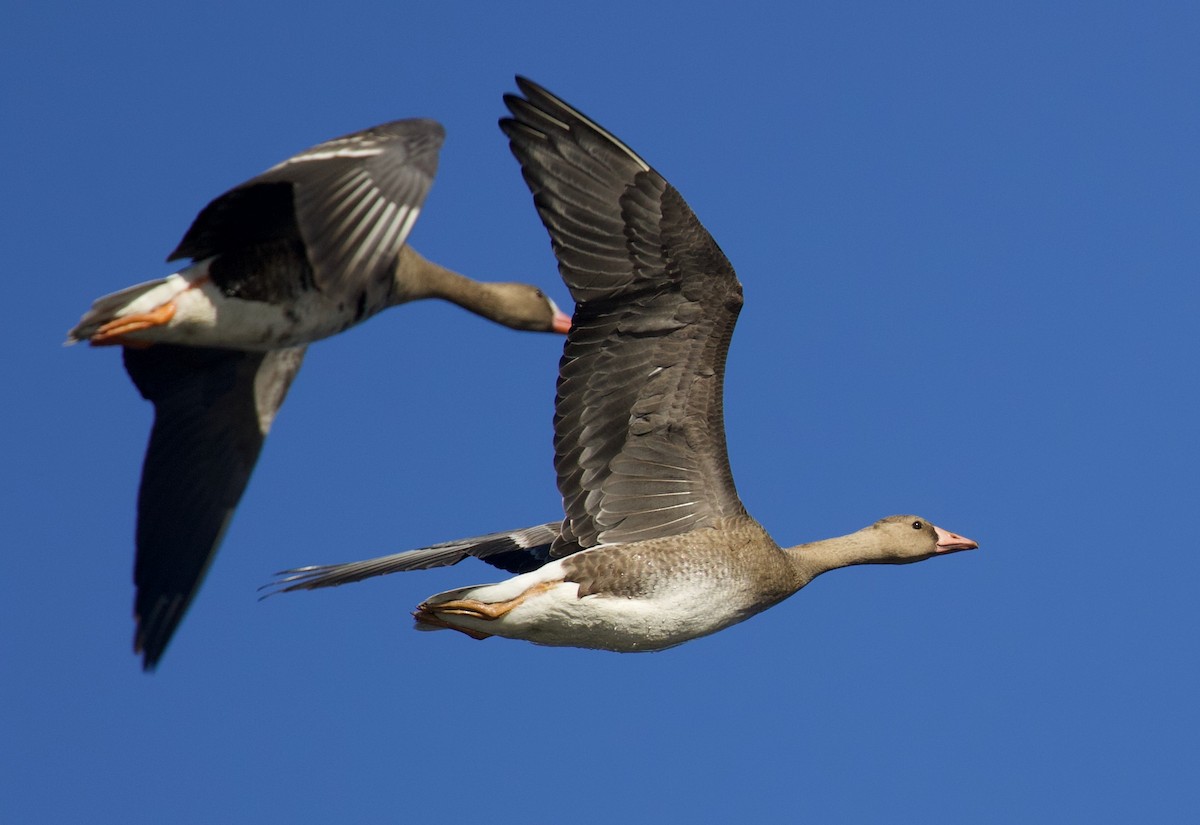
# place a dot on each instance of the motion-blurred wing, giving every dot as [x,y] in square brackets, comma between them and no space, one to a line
[212,411]
[351,200]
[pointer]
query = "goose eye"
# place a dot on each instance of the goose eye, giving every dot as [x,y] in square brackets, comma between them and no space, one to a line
[917,525]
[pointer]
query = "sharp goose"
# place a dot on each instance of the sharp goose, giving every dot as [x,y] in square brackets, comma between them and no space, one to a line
[655,548]
[305,250]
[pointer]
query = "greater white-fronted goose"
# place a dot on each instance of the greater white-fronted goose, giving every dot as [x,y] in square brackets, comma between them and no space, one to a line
[656,548]
[305,250]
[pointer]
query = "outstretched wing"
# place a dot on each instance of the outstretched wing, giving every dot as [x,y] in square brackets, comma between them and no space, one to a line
[351,200]
[515,551]
[212,411]
[639,431]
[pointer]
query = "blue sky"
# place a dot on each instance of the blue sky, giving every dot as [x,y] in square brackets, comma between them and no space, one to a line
[968,241]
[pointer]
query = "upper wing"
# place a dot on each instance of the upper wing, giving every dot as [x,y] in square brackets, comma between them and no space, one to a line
[212,411]
[352,200]
[639,430]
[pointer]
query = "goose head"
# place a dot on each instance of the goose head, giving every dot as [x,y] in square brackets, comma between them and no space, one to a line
[522,306]
[903,539]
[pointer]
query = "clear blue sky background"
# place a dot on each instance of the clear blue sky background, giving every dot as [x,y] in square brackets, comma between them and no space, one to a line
[969,241]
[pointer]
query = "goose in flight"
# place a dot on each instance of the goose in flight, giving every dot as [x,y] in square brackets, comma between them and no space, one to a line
[312,246]
[655,547]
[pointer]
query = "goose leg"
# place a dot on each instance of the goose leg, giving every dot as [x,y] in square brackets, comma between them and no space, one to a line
[475,609]
[433,620]
[112,333]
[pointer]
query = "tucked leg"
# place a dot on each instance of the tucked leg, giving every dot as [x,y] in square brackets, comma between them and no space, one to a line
[112,333]
[433,620]
[488,611]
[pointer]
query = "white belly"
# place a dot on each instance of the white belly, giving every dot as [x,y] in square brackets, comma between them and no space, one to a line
[557,616]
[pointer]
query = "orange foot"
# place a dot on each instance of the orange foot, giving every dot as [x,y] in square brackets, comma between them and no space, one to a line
[475,609]
[112,333]
[437,621]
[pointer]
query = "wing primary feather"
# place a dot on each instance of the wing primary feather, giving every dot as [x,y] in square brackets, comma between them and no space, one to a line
[516,551]
[639,437]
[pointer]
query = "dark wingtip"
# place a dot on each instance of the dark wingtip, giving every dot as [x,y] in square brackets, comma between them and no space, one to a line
[150,652]
[528,87]
[155,623]
[516,103]
[290,581]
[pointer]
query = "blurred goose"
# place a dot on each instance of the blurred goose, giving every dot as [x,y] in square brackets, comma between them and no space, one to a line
[305,250]
[655,548]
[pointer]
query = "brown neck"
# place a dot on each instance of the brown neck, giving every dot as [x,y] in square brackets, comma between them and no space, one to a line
[418,278]
[808,561]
